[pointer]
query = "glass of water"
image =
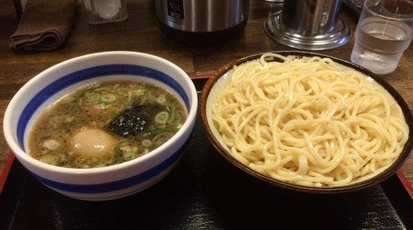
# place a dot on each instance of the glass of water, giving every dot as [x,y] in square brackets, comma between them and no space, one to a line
[104,11]
[384,31]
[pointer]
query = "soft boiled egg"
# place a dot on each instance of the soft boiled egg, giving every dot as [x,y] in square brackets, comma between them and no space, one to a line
[92,142]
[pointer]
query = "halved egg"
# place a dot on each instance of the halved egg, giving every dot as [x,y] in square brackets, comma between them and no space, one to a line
[92,142]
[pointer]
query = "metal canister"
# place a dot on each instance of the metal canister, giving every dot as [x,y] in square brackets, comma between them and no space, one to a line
[202,21]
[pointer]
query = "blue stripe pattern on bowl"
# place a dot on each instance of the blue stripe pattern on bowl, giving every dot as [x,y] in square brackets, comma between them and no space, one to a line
[81,75]
[116,185]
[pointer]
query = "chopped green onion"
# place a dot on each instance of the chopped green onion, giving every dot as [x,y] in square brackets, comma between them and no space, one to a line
[108,97]
[92,97]
[162,117]
[176,118]
[170,107]
[147,143]
[102,106]
[129,100]
[50,159]
[51,144]
[123,143]
[128,155]
[123,91]
[161,99]
[161,138]
[144,97]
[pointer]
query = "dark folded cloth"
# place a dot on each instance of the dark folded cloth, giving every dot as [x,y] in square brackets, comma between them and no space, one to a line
[44,25]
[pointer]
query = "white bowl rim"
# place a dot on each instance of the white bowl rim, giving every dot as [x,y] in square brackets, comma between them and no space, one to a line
[22,155]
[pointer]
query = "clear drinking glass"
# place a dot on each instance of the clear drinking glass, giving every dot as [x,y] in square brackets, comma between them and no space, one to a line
[104,11]
[384,31]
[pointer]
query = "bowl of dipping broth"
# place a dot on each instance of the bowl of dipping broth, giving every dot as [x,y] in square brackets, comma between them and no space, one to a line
[102,126]
[307,122]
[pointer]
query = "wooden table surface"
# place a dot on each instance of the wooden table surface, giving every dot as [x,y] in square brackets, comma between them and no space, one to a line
[141,32]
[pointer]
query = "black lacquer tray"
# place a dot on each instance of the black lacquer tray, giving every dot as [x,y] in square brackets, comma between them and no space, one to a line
[204,192]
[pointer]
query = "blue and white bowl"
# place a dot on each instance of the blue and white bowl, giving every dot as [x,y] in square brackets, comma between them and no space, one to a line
[110,182]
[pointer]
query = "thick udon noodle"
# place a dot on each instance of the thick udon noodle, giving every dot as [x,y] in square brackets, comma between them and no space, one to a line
[309,121]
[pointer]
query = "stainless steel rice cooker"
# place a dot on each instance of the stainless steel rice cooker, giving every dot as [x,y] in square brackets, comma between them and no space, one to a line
[202,21]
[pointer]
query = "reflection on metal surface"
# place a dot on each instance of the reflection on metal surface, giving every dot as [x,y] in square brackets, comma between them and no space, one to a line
[309,25]
[274,1]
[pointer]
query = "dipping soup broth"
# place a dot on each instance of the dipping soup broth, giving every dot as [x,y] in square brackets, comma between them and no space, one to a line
[106,123]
